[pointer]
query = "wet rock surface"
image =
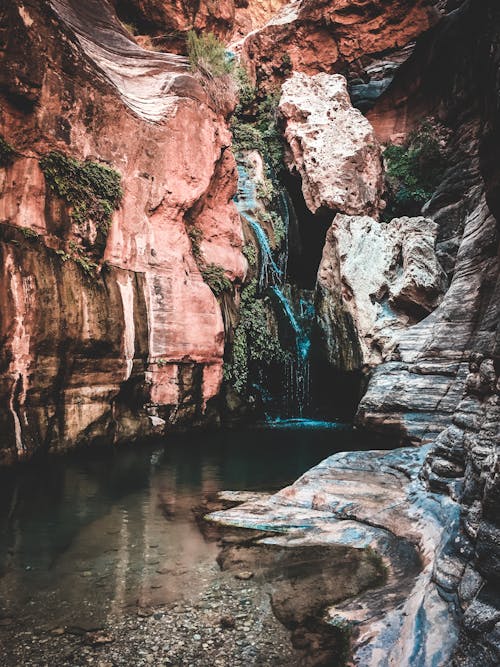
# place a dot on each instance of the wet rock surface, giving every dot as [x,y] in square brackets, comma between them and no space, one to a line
[372,505]
[132,343]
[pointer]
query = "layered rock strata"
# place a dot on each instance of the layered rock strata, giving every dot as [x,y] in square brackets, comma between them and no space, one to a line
[137,342]
[361,502]
[418,394]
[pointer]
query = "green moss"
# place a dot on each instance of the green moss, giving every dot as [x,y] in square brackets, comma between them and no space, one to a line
[250,252]
[253,341]
[7,153]
[78,256]
[255,126]
[29,233]
[92,190]
[278,226]
[265,190]
[343,633]
[279,230]
[245,88]
[378,564]
[196,237]
[414,170]
[215,278]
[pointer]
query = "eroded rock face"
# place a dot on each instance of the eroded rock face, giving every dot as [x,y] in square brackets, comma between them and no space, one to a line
[372,502]
[139,344]
[465,463]
[379,277]
[168,22]
[331,145]
[419,394]
[313,36]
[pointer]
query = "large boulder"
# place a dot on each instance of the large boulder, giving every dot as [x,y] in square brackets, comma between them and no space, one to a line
[331,145]
[380,277]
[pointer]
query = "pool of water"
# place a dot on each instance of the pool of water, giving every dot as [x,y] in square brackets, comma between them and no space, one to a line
[84,538]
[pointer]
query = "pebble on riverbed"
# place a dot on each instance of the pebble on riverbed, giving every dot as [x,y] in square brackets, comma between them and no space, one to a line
[230,625]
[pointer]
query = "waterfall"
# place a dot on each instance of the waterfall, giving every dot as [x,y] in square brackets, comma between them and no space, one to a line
[298,388]
[269,271]
[272,273]
[246,202]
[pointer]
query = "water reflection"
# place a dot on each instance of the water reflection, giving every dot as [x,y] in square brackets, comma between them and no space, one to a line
[83,539]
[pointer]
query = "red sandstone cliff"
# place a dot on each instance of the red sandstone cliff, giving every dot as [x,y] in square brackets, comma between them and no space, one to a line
[138,343]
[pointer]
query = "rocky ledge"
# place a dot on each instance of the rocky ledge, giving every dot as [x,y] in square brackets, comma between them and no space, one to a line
[368,509]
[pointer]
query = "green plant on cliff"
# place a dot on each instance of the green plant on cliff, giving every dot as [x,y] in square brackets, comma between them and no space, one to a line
[196,237]
[214,68]
[415,169]
[253,340]
[255,126]
[92,190]
[216,279]
[208,55]
[78,256]
[250,252]
[29,233]
[278,227]
[7,153]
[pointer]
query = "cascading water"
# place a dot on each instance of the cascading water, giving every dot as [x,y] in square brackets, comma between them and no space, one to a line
[272,274]
[246,201]
[298,367]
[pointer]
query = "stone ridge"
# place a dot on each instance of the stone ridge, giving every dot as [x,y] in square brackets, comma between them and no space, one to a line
[363,501]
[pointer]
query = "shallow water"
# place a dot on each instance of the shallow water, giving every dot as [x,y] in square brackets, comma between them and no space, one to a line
[84,538]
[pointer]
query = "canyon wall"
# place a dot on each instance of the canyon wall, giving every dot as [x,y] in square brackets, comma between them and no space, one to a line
[107,334]
[419,392]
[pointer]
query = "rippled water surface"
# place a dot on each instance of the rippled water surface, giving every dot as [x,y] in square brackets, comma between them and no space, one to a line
[84,538]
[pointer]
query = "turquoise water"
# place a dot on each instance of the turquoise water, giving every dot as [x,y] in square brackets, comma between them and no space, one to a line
[84,538]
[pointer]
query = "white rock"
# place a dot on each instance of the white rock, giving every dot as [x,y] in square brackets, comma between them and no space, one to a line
[331,145]
[386,276]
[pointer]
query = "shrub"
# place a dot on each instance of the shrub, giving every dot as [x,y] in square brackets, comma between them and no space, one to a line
[279,230]
[7,153]
[208,55]
[250,252]
[196,237]
[216,279]
[29,233]
[414,170]
[255,126]
[212,66]
[92,190]
[253,341]
[278,226]
[265,190]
